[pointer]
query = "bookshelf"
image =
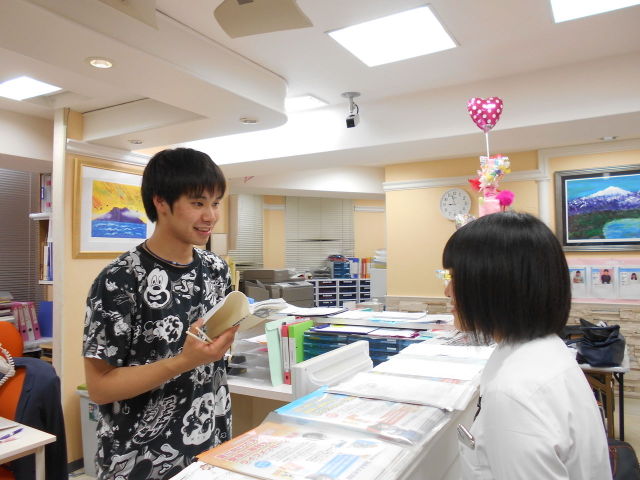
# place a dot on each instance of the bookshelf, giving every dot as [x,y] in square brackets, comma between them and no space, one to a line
[45,246]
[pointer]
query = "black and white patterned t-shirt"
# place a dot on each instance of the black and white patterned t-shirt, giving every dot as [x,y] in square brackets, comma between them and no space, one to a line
[138,311]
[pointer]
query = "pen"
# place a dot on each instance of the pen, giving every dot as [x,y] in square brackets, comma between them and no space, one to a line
[197,337]
[11,434]
[204,335]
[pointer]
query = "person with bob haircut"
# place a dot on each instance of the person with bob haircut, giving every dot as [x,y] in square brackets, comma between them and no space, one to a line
[508,281]
[162,394]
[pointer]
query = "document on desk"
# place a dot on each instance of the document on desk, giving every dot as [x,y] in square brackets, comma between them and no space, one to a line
[429,368]
[397,422]
[204,471]
[448,395]
[425,349]
[273,451]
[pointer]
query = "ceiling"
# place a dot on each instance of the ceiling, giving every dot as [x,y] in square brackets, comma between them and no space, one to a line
[179,79]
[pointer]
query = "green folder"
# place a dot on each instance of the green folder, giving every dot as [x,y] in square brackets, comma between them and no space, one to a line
[296,332]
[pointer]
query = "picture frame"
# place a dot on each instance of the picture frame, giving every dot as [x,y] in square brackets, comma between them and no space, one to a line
[598,209]
[108,214]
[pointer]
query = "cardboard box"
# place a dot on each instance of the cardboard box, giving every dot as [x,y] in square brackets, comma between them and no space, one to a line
[266,275]
[292,291]
[256,290]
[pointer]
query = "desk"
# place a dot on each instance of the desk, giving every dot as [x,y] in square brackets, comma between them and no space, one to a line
[601,379]
[28,441]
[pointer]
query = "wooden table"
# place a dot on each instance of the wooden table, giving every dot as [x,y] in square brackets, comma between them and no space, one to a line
[27,441]
[602,380]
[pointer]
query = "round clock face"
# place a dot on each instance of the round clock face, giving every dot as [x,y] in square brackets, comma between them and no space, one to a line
[453,202]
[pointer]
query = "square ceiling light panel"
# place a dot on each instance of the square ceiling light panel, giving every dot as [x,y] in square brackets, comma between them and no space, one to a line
[21,88]
[396,37]
[565,10]
[303,102]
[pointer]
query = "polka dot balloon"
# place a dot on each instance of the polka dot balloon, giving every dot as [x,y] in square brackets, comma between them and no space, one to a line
[485,112]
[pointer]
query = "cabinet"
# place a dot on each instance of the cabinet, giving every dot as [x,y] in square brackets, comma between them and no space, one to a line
[333,292]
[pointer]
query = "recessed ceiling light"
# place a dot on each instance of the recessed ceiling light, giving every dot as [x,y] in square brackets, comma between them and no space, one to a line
[303,102]
[135,141]
[21,88]
[608,139]
[100,62]
[564,10]
[396,37]
[248,121]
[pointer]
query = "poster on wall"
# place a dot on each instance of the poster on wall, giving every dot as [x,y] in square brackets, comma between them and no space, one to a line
[579,279]
[629,282]
[603,282]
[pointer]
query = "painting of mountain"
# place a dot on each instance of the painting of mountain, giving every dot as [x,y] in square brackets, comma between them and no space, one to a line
[119,223]
[603,208]
[117,211]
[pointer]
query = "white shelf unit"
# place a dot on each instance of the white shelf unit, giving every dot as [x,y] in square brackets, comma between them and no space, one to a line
[333,292]
[44,220]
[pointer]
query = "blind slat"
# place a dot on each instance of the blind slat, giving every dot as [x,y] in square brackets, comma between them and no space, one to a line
[315,229]
[19,251]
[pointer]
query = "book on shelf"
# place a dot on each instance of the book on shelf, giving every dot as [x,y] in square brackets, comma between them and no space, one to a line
[45,192]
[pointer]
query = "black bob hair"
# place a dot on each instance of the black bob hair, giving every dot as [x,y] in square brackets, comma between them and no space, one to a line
[510,278]
[181,171]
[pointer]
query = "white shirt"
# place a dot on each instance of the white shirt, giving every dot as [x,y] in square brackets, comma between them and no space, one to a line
[539,418]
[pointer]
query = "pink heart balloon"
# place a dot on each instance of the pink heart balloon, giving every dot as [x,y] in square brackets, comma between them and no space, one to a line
[485,112]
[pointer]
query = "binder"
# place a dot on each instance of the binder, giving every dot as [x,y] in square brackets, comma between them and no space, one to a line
[285,353]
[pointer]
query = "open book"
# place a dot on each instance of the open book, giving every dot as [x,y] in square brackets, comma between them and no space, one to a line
[234,309]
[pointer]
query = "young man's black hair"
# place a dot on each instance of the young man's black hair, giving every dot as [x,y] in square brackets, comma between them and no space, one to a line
[174,172]
[509,277]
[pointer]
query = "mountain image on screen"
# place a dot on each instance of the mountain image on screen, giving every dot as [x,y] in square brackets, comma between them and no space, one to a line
[119,223]
[612,213]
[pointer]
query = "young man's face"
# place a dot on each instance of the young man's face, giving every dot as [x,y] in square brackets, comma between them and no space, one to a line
[191,218]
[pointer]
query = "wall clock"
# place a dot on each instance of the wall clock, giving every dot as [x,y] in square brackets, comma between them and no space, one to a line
[453,202]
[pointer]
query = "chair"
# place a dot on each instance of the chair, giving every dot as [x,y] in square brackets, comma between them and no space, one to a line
[32,397]
[10,391]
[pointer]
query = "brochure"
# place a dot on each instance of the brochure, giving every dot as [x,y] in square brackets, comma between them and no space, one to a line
[273,451]
[397,422]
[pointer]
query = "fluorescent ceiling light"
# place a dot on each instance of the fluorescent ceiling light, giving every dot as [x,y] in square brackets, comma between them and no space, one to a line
[303,102]
[25,87]
[396,37]
[564,10]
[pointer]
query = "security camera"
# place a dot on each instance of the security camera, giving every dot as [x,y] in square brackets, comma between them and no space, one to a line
[353,118]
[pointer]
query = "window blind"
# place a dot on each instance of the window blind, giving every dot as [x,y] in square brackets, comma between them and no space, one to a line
[315,229]
[246,228]
[19,250]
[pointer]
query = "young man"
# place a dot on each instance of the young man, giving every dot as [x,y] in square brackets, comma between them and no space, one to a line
[163,394]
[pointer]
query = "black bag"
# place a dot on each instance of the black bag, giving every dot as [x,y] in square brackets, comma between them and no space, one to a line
[624,463]
[600,346]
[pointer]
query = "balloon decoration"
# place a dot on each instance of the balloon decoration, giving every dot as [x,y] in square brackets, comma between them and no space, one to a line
[485,113]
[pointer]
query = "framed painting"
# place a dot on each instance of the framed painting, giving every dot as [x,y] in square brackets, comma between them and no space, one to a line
[598,209]
[108,214]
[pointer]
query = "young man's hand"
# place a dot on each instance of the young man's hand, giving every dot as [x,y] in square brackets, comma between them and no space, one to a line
[196,352]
